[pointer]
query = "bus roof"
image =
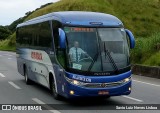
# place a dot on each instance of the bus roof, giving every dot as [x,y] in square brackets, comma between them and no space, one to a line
[74,18]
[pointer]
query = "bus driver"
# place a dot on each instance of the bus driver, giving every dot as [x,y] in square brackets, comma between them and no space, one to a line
[76,52]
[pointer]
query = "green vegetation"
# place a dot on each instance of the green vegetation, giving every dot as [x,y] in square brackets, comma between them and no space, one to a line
[142,17]
[147,50]
[8,44]
[154,60]
[13,25]
[4,32]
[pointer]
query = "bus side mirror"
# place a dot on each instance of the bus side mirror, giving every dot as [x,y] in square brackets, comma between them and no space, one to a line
[131,38]
[62,39]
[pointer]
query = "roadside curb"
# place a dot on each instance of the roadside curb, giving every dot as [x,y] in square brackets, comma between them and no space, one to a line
[148,71]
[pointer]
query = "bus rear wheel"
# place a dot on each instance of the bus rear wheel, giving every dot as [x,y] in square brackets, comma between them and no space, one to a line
[53,89]
[27,80]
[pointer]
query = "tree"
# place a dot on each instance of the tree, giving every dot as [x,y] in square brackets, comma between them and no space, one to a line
[4,32]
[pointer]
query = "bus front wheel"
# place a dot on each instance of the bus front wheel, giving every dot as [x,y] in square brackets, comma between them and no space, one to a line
[53,89]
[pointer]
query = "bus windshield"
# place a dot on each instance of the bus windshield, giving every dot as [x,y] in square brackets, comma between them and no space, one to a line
[97,49]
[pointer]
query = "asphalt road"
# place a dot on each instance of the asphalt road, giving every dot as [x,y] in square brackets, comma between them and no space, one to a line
[13,90]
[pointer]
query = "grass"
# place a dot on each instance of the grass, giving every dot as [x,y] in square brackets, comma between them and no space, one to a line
[146,49]
[142,17]
[153,60]
[5,47]
[8,44]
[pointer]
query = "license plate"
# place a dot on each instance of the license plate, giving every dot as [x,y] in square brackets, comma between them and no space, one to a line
[103,93]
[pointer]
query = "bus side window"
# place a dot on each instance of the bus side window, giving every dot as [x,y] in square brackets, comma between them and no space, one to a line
[59,52]
[39,36]
[18,38]
[56,26]
[45,37]
[23,37]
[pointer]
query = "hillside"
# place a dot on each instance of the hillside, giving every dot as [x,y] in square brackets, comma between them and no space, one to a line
[142,17]
[4,32]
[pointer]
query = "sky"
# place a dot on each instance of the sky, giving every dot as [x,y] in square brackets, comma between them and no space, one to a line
[11,10]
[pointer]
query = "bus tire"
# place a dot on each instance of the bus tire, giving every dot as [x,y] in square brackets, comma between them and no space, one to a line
[53,89]
[27,80]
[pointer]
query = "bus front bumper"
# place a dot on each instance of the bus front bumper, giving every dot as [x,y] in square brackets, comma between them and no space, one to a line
[74,91]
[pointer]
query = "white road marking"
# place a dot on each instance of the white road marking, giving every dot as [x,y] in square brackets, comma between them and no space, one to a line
[8,55]
[14,85]
[44,105]
[2,75]
[0,55]
[138,100]
[9,58]
[147,83]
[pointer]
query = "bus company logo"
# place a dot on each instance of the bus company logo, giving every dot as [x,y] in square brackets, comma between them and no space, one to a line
[103,85]
[81,78]
[36,55]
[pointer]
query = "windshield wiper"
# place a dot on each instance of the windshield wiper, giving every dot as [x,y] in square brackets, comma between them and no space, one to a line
[94,59]
[106,51]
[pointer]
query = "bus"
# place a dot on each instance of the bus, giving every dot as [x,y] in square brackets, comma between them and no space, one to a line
[76,54]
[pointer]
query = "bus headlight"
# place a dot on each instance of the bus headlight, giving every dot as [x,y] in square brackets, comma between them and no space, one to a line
[74,82]
[127,79]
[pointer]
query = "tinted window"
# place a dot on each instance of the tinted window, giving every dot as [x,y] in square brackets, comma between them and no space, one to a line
[60,53]
[44,35]
[35,36]
[56,26]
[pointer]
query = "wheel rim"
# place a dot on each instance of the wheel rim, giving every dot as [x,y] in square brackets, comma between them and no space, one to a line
[26,78]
